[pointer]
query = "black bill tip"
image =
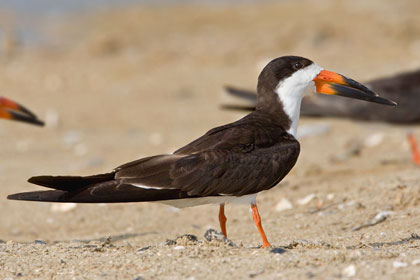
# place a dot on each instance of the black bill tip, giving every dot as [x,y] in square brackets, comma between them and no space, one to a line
[31,119]
[358,93]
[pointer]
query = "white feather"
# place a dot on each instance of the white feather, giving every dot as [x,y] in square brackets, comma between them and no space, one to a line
[189,202]
[147,187]
[291,91]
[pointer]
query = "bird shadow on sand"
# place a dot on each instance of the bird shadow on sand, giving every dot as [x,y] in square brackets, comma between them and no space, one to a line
[274,250]
[278,250]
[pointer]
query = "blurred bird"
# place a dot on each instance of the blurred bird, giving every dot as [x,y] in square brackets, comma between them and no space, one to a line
[403,88]
[14,111]
[230,163]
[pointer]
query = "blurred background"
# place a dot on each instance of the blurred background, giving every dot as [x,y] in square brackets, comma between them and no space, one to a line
[118,80]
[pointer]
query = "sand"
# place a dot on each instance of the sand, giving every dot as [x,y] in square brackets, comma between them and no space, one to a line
[115,86]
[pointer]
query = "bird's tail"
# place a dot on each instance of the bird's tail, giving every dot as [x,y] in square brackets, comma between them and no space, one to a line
[64,187]
[102,188]
[47,196]
[70,183]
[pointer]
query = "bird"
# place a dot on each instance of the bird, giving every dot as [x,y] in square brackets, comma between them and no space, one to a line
[403,88]
[14,111]
[231,163]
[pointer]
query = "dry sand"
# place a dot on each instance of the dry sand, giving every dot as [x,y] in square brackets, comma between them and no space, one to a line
[135,82]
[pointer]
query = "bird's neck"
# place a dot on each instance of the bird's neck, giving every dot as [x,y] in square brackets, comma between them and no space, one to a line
[283,108]
[273,112]
[291,107]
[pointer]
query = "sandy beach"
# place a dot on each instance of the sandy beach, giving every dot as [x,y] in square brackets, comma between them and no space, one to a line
[117,85]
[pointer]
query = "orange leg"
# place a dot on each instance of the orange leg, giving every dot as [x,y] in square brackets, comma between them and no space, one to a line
[414,151]
[257,220]
[222,219]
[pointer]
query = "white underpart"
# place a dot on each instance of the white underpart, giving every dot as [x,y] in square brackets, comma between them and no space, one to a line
[292,89]
[189,202]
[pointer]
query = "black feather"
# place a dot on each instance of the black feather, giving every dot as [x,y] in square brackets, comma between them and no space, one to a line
[70,183]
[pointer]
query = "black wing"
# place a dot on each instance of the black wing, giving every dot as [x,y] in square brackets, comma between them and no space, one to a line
[239,160]
[236,159]
[245,169]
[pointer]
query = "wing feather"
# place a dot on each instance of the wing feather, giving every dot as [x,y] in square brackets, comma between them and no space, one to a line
[231,171]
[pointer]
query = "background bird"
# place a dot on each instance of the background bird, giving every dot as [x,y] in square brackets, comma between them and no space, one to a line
[403,88]
[14,111]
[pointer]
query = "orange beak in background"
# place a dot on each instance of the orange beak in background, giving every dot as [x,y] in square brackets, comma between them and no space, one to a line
[328,82]
[14,111]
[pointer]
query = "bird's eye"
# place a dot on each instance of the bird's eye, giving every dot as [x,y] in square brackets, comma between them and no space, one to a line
[297,65]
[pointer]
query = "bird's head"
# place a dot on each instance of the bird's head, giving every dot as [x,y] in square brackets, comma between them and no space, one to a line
[286,79]
[290,76]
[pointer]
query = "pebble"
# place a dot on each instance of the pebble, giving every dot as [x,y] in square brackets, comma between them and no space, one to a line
[41,242]
[398,264]
[341,206]
[185,239]
[52,118]
[212,234]
[349,271]
[306,199]
[416,262]
[283,204]
[382,215]
[330,196]
[374,140]
[62,207]
[144,249]
[179,247]
[379,218]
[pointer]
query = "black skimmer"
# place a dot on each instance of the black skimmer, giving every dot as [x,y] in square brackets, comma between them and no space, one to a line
[404,88]
[14,111]
[230,163]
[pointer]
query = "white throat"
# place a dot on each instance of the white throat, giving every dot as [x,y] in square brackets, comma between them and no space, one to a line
[291,91]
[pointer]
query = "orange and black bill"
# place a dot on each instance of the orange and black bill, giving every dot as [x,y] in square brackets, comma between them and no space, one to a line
[14,111]
[328,82]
